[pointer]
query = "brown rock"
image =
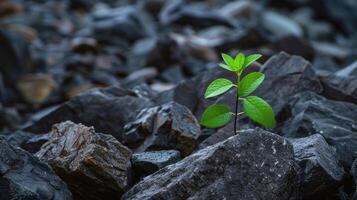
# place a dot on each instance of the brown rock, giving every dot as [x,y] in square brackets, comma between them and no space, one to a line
[95,165]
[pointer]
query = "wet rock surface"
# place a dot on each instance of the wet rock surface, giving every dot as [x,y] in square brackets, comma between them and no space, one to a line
[138,70]
[94,165]
[254,164]
[22,176]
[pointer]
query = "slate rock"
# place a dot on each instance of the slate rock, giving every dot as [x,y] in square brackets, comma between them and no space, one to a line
[94,165]
[22,176]
[169,126]
[108,110]
[334,120]
[252,165]
[28,141]
[286,76]
[321,171]
[340,88]
[146,163]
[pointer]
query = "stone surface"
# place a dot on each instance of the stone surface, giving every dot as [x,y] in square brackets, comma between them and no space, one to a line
[28,141]
[252,165]
[334,120]
[321,171]
[169,126]
[23,176]
[146,163]
[108,110]
[286,76]
[94,165]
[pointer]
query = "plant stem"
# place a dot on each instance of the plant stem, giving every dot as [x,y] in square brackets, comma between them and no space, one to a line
[237,106]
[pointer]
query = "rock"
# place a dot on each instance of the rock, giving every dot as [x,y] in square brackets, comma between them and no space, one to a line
[286,76]
[22,176]
[108,110]
[334,120]
[28,141]
[94,165]
[169,126]
[252,165]
[10,119]
[9,8]
[340,88]
[176,13]
[36,88]
[143,75]
[84,45]
[294,45]
[350,70]
[331,50]
[173,74]
[149,162]
[279,25]
[320,170]
[239,9]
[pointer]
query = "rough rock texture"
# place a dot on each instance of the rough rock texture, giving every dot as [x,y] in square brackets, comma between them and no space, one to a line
[285,76]
[170,126]
[28,141]
[149,162]
[321,171]
[252,165]
[108,110]
[23,176]
[94,165]
[335,120]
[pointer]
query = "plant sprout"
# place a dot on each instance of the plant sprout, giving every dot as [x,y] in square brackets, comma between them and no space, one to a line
[254,107]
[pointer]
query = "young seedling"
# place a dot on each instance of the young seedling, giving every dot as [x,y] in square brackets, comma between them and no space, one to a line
[254,107]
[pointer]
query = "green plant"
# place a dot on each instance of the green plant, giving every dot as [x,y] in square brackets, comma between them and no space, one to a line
[254,107]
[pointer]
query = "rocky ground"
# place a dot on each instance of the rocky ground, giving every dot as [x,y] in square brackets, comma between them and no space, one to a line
[100,99]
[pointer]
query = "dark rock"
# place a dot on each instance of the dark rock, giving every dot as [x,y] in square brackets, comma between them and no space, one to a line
[169,126]
[10,119]
[334,120]
[320,170]
[84,45]
[28,141]
[108,110]
[295,46]
[149,162]
[173,74]
[175,12]
[22,176]
[350,70]
[286,76]
[340,88]
[94,165]
[252,165]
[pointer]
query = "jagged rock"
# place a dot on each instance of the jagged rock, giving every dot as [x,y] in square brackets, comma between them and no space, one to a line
[340,88]
[252,165]
[23,176]
[169,126]
[286,76]
[94,165]
[334,120]
[321,172]
[108,110]
[28,141]
[149,162]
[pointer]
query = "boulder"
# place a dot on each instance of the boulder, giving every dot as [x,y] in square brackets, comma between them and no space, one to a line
[94,165]
[286,76]
[334,120]
[22,176]
[321,172]
[146,163]
[169,126]
[252,165]
[108,110]
[28,141]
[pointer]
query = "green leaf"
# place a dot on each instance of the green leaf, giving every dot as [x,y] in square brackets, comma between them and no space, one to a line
[229,63]
[239,61]
[217,87]
[216,116]
[250,59]
[259,111]
[249,83]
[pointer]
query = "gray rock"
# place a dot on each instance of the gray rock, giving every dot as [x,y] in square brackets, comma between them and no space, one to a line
[286,76]
[252,165]
[28,141]
[280,25]
[321,171]
[170,126]
[149,162]
[334,120]
[340,88]
[94,165]
[23,176]
[108,110]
